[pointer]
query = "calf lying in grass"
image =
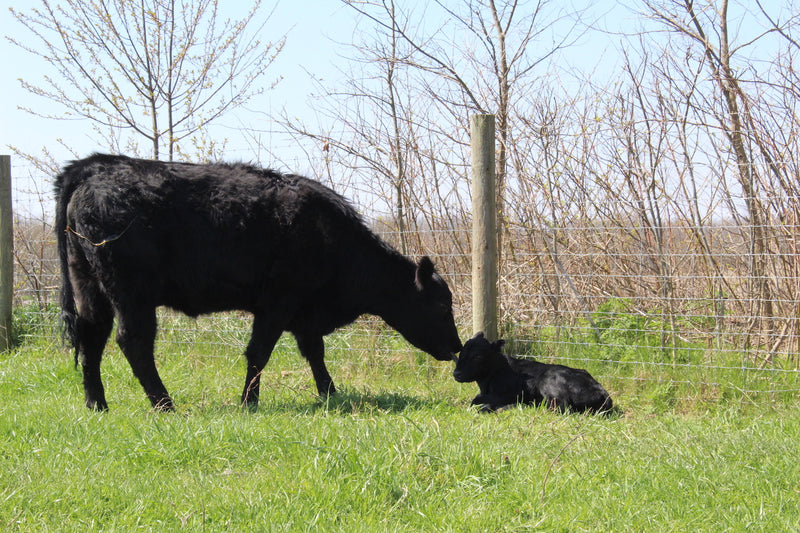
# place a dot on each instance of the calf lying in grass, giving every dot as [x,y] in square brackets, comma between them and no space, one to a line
[505,380]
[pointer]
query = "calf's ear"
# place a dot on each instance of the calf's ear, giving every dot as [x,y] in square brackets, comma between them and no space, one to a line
[424,272]
[498,344]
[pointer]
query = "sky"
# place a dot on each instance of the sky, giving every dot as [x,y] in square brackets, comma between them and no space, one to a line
[318,33]
[313,29]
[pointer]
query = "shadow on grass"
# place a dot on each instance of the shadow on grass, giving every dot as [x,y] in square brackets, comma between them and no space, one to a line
[351,401]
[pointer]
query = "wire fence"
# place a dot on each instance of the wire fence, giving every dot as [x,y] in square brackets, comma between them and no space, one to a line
[670,315]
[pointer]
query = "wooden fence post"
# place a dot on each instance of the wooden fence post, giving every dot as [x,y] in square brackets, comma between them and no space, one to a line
[484,226]
[6,253]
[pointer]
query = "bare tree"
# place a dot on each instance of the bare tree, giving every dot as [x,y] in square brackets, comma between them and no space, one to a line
[708,29]
[160,69]
[510,39]
[374,133]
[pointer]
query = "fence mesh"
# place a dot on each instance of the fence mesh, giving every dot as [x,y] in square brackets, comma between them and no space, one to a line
[672,309]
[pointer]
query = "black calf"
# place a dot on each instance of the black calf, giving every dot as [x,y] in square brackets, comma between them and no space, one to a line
[505,380]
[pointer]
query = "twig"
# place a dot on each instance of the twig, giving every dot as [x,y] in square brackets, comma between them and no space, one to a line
[110,239]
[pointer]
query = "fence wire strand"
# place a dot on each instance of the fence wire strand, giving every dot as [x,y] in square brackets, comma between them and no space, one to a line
[615,299]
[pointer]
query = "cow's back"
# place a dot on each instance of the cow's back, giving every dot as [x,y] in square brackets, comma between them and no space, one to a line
[205,238]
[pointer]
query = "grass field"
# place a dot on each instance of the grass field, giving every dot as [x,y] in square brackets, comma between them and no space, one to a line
[396,450]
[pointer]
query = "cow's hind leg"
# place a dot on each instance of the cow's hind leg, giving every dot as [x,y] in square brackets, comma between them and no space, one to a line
[136,333]
[262,341]
[93,325]
[312,348]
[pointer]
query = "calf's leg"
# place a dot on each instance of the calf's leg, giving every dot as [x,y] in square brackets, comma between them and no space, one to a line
[312,347]
[136,333]
[489,403]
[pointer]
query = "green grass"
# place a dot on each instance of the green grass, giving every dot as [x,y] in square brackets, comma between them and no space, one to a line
[397,450]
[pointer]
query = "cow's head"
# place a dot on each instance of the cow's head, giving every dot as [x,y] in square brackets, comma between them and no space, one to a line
[426,320]
[478,357]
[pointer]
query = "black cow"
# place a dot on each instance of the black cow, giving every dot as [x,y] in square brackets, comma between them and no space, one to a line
[136,234]
[504,380]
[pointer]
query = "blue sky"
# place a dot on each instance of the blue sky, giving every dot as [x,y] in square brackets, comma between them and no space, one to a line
[312,31]
[314,28]
[318,32]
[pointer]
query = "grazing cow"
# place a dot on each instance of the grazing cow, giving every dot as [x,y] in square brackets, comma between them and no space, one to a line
[136,234]
[504,380]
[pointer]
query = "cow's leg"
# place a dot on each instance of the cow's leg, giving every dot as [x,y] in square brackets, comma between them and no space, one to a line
[94,318]
[93,327]
[136,333]
[312,348]
[262,341]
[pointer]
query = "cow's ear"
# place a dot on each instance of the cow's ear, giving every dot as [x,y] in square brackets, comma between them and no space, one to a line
[424,272]
[498,345]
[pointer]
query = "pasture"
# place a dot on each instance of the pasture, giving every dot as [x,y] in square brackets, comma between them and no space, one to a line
[396,450]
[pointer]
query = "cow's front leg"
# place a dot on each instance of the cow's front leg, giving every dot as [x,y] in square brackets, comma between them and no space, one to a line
[262,341]
[136,334]
[312,347]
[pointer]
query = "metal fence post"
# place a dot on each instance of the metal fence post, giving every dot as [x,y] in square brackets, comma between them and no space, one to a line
[484,226]
[6,253]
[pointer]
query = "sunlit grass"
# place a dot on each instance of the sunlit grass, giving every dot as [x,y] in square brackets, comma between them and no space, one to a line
[397,450]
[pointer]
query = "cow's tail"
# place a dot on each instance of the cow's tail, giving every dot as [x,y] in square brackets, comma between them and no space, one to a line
[65,186]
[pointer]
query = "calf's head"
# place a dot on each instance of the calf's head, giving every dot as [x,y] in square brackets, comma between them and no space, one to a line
[478,358]
[425,318]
